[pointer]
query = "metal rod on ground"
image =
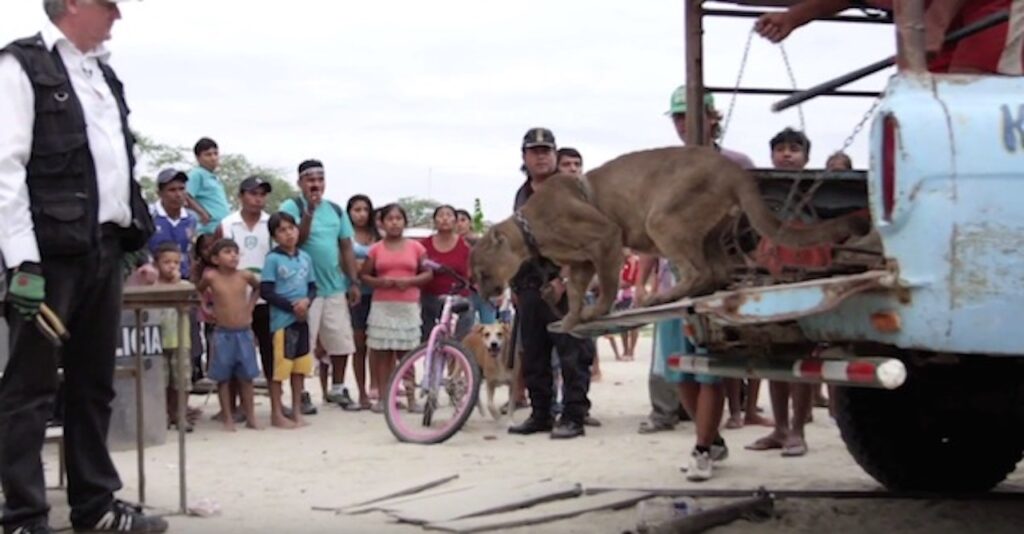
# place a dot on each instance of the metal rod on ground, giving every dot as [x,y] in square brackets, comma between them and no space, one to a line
[873,372]
[139,417]
[760,505]
[835,83]
[712,493]
[182,376]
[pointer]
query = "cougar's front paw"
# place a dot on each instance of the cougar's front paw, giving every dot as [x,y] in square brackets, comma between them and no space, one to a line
[570,321]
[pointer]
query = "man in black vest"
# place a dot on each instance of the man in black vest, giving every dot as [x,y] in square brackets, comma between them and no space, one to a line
[71,209]
[533,314]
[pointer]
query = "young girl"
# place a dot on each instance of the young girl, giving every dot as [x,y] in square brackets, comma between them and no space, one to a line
[394,269]
[360,212]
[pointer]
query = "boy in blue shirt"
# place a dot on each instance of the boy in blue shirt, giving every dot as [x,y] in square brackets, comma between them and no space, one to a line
[289,287]
[206,195]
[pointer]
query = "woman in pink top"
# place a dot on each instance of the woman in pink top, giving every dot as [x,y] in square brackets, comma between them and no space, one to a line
[394,269]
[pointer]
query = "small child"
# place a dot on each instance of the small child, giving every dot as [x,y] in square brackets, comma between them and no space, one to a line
[167,262]
[200,264]
[394,269]
[289,287]
[233,337]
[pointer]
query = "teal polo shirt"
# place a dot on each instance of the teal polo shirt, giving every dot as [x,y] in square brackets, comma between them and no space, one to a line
[208,190]
[291,276]
[330,224]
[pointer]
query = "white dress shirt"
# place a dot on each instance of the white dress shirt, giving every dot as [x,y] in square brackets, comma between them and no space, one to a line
[103,129]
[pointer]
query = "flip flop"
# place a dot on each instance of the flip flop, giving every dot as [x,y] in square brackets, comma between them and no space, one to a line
[766,443]
[353,407]
[794,449]
[651,427]
[732,424]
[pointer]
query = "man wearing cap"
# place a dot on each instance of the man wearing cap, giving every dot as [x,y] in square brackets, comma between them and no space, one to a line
[248,228]
[71,210]
[172,221]
[533,314]
[325,233]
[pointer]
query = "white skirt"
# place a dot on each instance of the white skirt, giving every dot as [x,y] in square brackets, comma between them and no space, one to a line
[393,326]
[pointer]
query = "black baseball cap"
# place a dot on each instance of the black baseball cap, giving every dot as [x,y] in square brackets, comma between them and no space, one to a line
[169,175]
[538,137]
[252,183]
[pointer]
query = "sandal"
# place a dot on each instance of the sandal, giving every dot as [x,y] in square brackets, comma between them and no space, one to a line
[377,407]
[794,448]
[766,443]
[651,427]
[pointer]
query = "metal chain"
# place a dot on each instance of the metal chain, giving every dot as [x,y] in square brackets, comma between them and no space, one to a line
[736,88]
[792,83]
[860,125]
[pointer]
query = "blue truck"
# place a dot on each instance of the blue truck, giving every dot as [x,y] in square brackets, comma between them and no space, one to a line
[917,323]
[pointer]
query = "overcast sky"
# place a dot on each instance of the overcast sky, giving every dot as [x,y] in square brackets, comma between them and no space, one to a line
[431,98]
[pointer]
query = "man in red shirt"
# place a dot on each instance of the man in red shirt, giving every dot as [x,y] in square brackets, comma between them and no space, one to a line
[996,50]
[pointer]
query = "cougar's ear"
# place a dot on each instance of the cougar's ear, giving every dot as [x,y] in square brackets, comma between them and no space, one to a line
[499,238]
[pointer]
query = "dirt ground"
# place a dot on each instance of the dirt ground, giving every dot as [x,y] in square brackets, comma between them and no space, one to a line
[266,481]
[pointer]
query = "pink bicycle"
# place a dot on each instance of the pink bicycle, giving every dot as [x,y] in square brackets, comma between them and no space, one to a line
[448,379]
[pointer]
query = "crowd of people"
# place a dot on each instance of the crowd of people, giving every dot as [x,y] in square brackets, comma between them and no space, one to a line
[300,291]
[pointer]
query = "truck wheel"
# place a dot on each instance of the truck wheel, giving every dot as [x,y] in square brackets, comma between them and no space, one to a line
[954,428]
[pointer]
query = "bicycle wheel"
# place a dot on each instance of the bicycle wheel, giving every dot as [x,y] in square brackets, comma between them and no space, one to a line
[445,394]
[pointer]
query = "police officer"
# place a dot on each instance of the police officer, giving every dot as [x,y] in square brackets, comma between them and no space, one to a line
[71,209]
[534,314]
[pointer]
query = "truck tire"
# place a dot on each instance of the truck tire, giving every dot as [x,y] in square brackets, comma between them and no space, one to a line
[952,428]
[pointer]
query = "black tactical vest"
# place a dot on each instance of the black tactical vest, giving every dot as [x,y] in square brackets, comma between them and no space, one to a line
[61,174]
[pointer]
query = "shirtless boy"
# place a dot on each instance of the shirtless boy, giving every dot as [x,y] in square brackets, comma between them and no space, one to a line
[233,304]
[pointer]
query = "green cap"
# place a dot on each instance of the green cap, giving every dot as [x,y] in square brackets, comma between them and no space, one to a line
[677,104]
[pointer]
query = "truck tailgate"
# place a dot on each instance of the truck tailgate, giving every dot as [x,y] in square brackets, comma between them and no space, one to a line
[747,306]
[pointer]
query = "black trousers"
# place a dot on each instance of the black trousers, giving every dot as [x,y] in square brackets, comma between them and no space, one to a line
[575,357]
[261,328]
[85,291]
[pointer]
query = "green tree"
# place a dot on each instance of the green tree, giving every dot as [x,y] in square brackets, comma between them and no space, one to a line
[233,169]
[420,210]
[478,217]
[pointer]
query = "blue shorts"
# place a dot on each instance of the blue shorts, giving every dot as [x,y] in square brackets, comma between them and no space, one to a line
[234,355]
[672,341]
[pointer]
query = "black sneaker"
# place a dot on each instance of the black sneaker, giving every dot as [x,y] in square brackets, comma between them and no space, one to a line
[307,404]
[532,425]
[591,421]
[125,517]
[34,528]
[568,430]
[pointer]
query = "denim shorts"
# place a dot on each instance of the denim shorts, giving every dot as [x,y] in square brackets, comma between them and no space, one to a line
[671,341]
[234,355]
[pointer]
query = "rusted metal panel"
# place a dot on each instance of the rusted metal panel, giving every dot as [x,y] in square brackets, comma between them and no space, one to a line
[772,304]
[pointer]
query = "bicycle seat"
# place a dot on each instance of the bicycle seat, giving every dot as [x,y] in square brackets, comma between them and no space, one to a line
[460,305]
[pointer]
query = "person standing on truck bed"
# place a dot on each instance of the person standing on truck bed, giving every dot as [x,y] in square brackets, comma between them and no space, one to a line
[996,50]
[71,210]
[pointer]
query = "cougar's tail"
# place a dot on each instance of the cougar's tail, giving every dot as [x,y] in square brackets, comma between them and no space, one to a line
[768,225]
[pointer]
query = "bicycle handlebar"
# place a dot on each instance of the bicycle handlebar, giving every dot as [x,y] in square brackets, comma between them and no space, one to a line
[461,282]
